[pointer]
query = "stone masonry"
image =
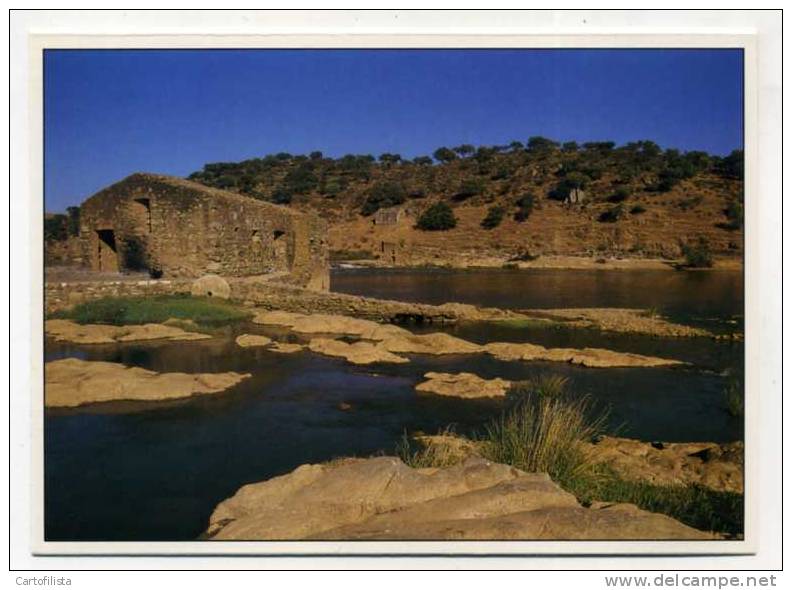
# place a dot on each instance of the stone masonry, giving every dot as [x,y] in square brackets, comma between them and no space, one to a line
[177,228]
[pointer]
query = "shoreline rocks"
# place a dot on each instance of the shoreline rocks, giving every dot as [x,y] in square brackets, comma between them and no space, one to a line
[712,465]
[69,331]
[382,498]
[621,320]
[74,382]
[464,385]
[252,340]
[358,353]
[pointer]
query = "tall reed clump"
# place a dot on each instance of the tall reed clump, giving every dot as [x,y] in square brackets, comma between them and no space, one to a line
[544,431]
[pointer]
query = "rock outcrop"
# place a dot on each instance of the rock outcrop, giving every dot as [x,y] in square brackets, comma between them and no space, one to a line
[382,498]
[435,343]
[73,382]
[249,340]
[716,466]
[69,331]
[633,321]
[358,353]
[286,347]
[397,340]
[465,385]
[587,357]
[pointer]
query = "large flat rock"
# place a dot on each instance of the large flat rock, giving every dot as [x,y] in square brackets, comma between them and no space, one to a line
[358,353]
[69,331]
[382,498]
[465,385]
[74,382]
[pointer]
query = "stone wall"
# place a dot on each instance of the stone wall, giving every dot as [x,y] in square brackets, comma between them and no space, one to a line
[58,296]
[179,228]
[269,295]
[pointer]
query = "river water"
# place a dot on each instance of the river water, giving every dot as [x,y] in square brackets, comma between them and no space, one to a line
[156,471]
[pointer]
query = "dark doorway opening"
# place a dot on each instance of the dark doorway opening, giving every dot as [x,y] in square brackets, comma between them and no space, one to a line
[107,255]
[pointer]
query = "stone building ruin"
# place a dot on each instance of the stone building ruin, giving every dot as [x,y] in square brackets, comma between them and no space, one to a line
[173,227]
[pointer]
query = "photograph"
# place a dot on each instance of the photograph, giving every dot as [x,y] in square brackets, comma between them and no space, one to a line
[396,290]
[393,294]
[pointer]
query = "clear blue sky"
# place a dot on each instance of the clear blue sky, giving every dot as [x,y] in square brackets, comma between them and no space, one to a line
[111,113]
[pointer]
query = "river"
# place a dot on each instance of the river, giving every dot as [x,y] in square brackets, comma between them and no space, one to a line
[155,472]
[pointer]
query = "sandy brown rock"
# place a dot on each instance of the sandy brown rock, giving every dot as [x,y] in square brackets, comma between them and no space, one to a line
[358,353]
[382,498]
[636,321]
[73,382]
[286,347]
[587,357]
[716,466]
[397,340]
[330,324]
[248,340]
[68,331]
[465,385]
[436,343]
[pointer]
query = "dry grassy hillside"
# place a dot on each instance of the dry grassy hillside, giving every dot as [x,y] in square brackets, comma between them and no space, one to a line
[639,201]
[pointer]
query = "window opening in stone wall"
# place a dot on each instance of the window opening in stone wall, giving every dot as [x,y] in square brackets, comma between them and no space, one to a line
[147,204]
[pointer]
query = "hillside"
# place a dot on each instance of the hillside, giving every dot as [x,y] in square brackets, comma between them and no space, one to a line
[540,198]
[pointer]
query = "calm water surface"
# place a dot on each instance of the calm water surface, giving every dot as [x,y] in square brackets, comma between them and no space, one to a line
[156,471]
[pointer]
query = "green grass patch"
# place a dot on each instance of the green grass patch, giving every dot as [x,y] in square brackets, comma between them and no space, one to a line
[121,311]
[693,505]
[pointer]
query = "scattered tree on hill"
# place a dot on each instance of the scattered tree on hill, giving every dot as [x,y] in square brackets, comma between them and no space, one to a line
[570,146]
[390,159]
[55,228]
[612,215]
[524,206]
[281,196]
[382,195]
[494,217]
[573,180]
[469,188]
[516,146]
[438,217]
[465,150]
[733,165]
[621,194]
[537,143]
[444,155]
[317,155]
[422,161]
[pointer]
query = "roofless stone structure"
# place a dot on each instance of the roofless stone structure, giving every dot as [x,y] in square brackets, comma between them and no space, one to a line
[177,228]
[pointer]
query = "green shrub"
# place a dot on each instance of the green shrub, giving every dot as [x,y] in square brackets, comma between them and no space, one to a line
[734,213]
[382,195]
[281,196]
[494,217]
[55,227]
[637,209]
[469,188]
[438,217]
[444,155]
[612,215]
[525,205]
[698,254]
[619,195]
